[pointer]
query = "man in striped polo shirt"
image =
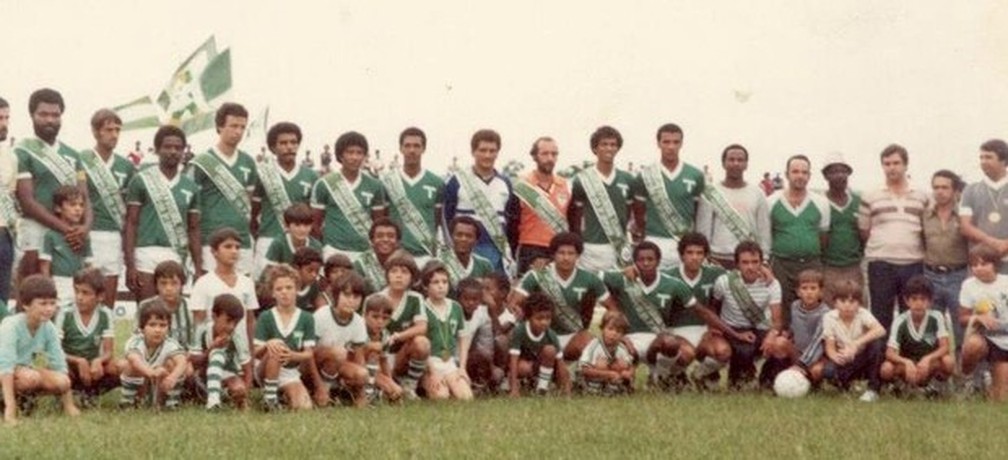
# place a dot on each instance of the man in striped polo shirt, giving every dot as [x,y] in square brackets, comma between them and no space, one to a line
[799,220]
[890,224]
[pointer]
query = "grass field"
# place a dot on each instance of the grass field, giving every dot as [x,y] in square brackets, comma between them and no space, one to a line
[644,425]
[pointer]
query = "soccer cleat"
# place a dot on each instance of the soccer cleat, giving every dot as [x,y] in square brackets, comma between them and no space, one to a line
[869,396]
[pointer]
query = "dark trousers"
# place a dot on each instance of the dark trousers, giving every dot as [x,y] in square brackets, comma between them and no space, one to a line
[6,263]
[885,286]
[742,366]
[865,365]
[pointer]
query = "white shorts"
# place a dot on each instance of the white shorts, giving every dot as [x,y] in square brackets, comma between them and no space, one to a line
[30,235]
[641,342]
[564,340]
[245,260]
[598,257]
[64,291]
[440,368]
[287,375]
[148,257]
[692,334]
[669,251]
[422,260]
[262,245]
[329,251]
[106,248]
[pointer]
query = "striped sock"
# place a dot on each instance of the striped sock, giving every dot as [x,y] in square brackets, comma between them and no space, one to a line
[270,390]
[130,385]
[215,370]
[414,374]
[707,367]
[372,370]
[669,365]
[545,377]
[173,396]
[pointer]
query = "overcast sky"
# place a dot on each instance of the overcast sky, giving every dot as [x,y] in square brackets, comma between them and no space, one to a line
[780,77]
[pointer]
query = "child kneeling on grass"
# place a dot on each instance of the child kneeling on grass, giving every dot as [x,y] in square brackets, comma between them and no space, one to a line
[154,357]
[87,338]
[222,353]
[23,335]
[342,335]
[284,341]
[606,366]
[449,348]
[852,336]
[984,312]
[377,352]
[479,328]
[801,345]
[918,349]
[535,350]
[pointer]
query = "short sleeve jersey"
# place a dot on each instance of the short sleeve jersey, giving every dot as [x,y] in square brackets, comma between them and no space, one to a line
[19,347]
[217,209]
[298,334]
[80,339]
[596,352]
[150,231]
[154,356]
[236,353]
[122,171]
[443,330]
[845,247]
[336,228]
[846,333]
[796,230]
[480,328]
[332,332]
[575,289]
[991,297]
[182,327]
[298,186]
[618,187]
[527,345]
[281,250]
[43,180]
[703,289]
[64,260]
[425,192]
[683,186]
[763,295]
[409,311]
[663,296]
[915,341]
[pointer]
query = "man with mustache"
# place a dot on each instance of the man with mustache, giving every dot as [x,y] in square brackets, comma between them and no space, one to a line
[44,164]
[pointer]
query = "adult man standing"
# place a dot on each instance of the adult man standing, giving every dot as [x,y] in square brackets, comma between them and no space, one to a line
[983,212]
[890,224]
[483,193]
[540,212]
[347,201]
[733,211]
[946,257]
[600,203]
[226,177]
[8,212]
[416,197]
[44,164]
[282,183]
[666,194]
[799,220]
[842,256]
[108,175]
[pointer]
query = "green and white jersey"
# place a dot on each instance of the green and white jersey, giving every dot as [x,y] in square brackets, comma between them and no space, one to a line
[298,186]
[307,295]
[80,339]
[281,250]
[425,192]
[845,247]
[4,310]
[150,232]
[702,287]
[156,356]
[577,289]
[236,353]
[796,230]
[663,296]
[917,341]
[619,188]
[527,345]
[64,260]
[298,334]
[597,353]
[443,329]
[122,171]
[216,209]
[409,311]
[337,231]
[181,327]
[32,166]
[683,186]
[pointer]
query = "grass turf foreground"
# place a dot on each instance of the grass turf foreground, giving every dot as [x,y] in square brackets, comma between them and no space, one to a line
[644,425]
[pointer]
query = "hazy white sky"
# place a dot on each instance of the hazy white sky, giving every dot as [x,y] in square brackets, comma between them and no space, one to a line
[780,77]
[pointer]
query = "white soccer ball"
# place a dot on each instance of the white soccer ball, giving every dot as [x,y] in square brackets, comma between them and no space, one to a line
[791,383]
